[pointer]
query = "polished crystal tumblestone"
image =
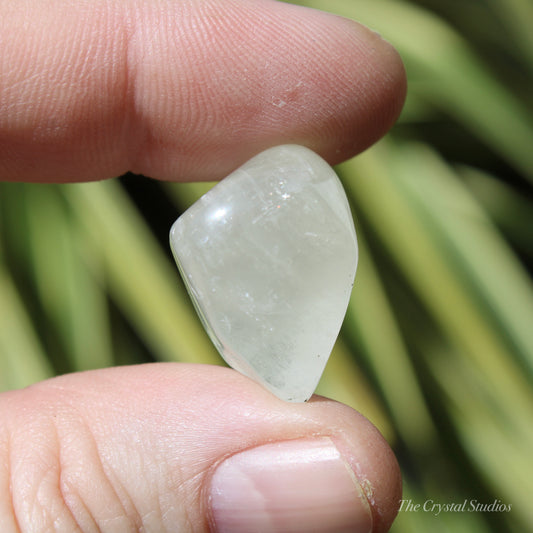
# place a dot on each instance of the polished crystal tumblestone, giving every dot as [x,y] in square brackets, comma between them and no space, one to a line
[269,258]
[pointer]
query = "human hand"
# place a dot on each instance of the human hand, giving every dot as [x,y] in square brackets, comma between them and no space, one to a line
[185,90]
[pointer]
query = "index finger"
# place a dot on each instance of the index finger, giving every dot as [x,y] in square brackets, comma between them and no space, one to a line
[184,90]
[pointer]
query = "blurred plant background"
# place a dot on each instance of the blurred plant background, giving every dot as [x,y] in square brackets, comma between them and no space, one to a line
[437,345]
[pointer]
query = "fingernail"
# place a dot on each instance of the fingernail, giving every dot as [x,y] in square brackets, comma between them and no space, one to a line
[292,486]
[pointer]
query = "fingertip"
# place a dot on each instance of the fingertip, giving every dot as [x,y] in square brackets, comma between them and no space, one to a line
[370,457]
[307,77]
[380,476]
[363,90]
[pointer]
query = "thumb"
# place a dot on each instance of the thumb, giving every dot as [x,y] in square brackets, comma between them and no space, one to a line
[170,447]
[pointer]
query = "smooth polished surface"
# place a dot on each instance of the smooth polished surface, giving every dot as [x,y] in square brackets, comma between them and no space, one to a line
[269,258]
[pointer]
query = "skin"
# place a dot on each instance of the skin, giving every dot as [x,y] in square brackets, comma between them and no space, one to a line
[174,90]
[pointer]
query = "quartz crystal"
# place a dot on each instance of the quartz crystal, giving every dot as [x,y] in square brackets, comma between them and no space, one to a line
[269,258]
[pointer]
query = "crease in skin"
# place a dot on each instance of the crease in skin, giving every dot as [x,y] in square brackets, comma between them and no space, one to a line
[65,494]
[98,466]
[47,499]
[102,475]
[58,486]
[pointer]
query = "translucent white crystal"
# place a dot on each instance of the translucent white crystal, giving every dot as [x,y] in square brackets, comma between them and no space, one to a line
[269,258]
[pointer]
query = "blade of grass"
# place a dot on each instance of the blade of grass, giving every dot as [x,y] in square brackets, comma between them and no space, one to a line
[511,211]
[429,461]
[517,16]
[67,290]
[185,194]
[14,227]
[22,360]
[481,257]
[496,443]
[449,74]
[428,270]
[502,456]
[371,318]
[141,278]
[344,382]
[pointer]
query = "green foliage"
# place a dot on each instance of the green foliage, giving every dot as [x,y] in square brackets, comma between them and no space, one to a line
[437,345]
